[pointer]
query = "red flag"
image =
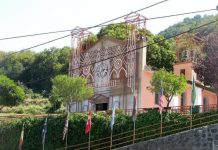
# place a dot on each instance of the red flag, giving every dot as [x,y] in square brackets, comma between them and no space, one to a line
[89,123]
[161,100]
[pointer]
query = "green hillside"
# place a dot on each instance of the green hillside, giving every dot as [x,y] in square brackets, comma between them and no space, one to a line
[189,23]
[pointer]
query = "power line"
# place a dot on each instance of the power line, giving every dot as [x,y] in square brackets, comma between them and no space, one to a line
[136,49]
[181,14]
[101,25]
[98,25]
[39,45]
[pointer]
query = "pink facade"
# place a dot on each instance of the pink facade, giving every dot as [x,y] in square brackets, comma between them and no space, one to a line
[147,97]
[186,67]
[204,97]
[209,96]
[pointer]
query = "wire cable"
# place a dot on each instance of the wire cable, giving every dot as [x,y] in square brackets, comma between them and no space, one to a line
[98,25]
[136,49]
[181,14]
[101,25]
[38,45]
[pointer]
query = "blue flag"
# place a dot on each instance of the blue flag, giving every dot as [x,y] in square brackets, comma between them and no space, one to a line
[44,131]
[193,97]
[113,116]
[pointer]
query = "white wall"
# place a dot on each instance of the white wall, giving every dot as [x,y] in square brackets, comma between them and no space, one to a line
[85,105]
[198,100]
[174,101]
[115,99]
[129,101]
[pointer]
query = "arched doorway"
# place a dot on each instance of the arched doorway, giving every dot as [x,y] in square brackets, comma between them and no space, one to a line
[100,102]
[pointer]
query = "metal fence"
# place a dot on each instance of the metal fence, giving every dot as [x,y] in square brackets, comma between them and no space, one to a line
[186,122]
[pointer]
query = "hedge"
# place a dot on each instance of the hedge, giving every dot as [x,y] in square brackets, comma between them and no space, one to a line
[173,122]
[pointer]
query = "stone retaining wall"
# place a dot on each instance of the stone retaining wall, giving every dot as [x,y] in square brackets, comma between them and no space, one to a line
[204,138]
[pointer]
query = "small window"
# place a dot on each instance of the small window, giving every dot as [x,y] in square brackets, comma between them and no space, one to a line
[156,99]
[182,72]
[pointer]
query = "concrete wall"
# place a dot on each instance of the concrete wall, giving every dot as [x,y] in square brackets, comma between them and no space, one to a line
[205,138]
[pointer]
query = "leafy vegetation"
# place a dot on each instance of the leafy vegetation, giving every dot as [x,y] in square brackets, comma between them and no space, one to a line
[12,65]
[207,68]
[28,67]
[148,125]
[29,106]
[10,93]
[66,89]
[117,31]
[46,65]
[160,52]
[171,84]
[189,23]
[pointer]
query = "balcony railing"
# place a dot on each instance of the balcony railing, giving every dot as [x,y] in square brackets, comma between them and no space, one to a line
[111,83]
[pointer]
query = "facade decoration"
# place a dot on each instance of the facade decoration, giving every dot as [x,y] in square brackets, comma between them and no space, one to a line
[102,65]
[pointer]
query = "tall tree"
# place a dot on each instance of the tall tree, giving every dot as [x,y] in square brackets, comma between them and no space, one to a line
[207,68]
[46,65]
[172,84]
[12,65]
[70,89]
[160,52]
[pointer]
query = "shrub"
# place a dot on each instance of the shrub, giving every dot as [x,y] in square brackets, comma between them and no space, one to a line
[10,93]
[147,125]
[31,109]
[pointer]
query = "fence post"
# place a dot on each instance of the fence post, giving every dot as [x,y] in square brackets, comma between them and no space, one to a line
[191,118]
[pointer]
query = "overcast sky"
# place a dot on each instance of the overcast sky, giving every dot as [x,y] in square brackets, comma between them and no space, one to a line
[20,17]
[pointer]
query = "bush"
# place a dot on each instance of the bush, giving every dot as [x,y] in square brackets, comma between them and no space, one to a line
[147,125]
[10,93]
[31,109]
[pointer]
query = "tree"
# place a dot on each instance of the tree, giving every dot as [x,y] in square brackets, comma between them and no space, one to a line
[172,84]
[10,93]
[47,64]
[207,68]
[189,23]
[117,31]
[68,89]
[12,65]
[160,53]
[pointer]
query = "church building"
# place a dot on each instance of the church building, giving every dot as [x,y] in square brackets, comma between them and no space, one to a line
[118,72]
